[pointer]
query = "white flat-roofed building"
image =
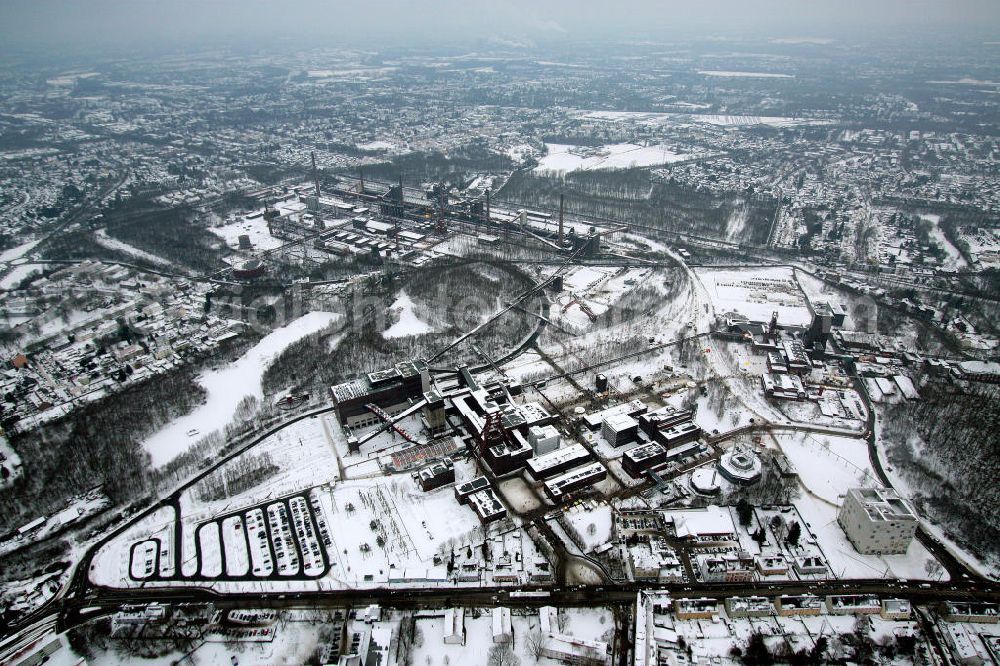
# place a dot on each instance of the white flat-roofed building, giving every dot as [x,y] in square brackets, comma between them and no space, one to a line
[749,607]
[573,650]
[788,387]
[454,626]
[678,434]
[696,609]
[543,439]
[580,477]
[798,604]
[619,429]
[633,409]
[896,609]
[548,619]
[877,520]
[980,612]
[965,646]
[725,568]
[638,459]
[557,462]
[502,629]
[853,604]
[711,524]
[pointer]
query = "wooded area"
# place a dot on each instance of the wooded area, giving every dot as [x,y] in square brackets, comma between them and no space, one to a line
[945,446]
[637,196]
[98,444]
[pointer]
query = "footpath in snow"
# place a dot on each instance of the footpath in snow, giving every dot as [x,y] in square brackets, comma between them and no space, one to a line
[227,386]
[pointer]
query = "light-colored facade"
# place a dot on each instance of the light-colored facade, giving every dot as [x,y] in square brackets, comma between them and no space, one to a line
[877,520]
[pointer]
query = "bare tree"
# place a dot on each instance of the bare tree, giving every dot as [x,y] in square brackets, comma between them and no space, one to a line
[536,643]
[502,654]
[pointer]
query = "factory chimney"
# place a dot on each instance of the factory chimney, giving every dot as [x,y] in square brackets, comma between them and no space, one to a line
[315,175]
[561,220]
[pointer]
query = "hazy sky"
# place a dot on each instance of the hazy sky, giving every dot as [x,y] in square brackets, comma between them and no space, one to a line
[52,24]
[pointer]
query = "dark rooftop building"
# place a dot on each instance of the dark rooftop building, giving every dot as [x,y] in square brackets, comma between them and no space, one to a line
[391,390]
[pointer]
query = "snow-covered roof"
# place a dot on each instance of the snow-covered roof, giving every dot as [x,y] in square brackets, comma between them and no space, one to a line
[710,521]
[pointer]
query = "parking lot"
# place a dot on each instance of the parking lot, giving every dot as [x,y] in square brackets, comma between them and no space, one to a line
[281,539]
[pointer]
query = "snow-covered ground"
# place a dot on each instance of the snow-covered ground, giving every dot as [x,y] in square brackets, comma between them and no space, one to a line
[652,118]
[294,641]
[744,75]
[103,239]
[953,259]
[227,386]
[17,252]
[408,323]
[19,273]
[827,467]
[563,157]
[111,564]
[412,526]
[592,523]
[256,229]
[756,293]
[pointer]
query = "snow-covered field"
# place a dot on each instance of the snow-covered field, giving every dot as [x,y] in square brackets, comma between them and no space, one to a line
[744,75]
[256,229]
[756,293]
[563,158]
[309,440]
[953,259]
[111,564]
[227,386]
[17,252]
[827,467]
[19,273]
[411,526]
[592,523]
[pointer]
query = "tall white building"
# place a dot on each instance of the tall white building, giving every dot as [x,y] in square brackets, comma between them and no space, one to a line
[543,439]
[877,520]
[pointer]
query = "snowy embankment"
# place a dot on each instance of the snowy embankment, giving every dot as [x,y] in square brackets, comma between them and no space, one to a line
[17,274]
[953,259]
[14,253]
[227,386]
[103,239]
